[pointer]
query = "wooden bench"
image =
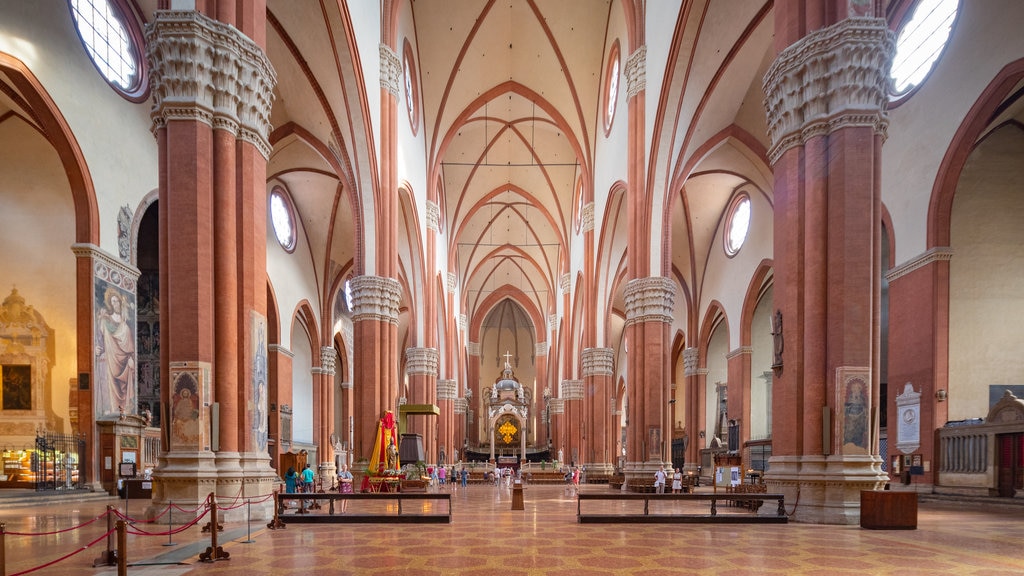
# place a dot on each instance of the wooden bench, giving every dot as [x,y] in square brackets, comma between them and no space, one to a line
[645,517]
[312,509]
[544,477]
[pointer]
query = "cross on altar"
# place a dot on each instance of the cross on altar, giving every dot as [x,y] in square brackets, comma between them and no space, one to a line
[507,356]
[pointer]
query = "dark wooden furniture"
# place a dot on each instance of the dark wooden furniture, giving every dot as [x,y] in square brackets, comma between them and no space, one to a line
[644,515]
[383,510]
[888,510]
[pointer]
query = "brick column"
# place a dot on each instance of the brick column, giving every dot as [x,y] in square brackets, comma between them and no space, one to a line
[421,368]
[212,89]
[323,408]
[598,368]
[826,101]
[738,395]
[571,394]
[375,365]
[649,307]
[473,410]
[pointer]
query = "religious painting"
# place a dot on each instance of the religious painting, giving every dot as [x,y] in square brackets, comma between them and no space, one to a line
[17,386]
[853,395]
[260,422]
[506,431]
[187,409]
[115,367]
[654,442]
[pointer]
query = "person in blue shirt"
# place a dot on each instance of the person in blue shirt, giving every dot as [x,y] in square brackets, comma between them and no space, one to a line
[290,479]
[307,479]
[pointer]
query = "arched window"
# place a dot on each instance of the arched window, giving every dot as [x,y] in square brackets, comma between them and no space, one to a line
[921,41]
[113,42]
[737,224]
[412,92]
[282,216]
[611,87]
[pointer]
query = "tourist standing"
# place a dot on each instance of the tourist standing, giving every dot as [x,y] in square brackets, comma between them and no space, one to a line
[677,482]
[307,479]
[659,480]
[442,474]
[291,478]
[465,477]
[344,485]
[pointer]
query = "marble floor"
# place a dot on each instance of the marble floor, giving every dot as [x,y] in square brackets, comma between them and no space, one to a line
[487,537]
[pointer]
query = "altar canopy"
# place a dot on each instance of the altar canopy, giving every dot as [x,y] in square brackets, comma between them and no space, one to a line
[385,453]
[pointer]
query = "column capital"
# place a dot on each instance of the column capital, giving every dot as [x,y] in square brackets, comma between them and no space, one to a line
[541,349]
[570,390]
[328,359]
[557,405]
[830,79]
[453,282]
[587,218]
[421,361]
[473,348]
[390,70]
[447,390]
[650,299]
[690,357]
[375,298]
[598,362]
[208,71]
[460,405]
[433,217]
[565,283]
[279,349]
[553,322]
[636,72]
[463,322]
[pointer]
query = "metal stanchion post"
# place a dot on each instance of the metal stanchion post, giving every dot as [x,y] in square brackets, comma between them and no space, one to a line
[170,513]
[248,522]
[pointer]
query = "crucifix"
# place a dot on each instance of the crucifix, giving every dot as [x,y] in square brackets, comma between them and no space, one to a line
[508,355]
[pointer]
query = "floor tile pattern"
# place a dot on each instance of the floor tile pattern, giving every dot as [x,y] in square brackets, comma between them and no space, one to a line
[488,538]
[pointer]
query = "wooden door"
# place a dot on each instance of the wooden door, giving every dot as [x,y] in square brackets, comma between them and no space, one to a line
[1010,463]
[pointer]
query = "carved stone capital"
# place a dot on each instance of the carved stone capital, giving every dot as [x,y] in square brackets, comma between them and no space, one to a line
[650,299]
[557,405]
[463,322]
[473,348]
[690,357]
[598,362]
[421,361]
[832,78]
[553,322]
[587,218]
[636,72]
[375,298]
[570,390]
[936,254]
[453,282]
[565,283]
[541,349]
[208,71]
[328,359]
[433,216]
[390,70]
[460,405]
[447,390]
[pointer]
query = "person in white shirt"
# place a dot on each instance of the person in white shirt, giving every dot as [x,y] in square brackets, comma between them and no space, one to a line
[659,480]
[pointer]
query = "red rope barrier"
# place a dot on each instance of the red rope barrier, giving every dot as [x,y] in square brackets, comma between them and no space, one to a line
[177,530]
[64,557]
[58,531]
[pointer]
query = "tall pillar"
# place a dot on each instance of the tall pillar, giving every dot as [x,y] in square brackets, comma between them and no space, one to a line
[212,89]
[649,307]
[541,391]
[571,393]
[826,97]
[421,368]
[323,401]
[473,410]
[598,368]
[694,407]
[447,392]
[375,367]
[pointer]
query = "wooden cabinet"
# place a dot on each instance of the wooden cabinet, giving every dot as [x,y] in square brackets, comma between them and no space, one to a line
[887,510]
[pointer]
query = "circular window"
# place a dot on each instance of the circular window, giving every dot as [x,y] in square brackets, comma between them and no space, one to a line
[282,216]
[737,224]
[920,42]
[411,86]
[611,87]
[113,44]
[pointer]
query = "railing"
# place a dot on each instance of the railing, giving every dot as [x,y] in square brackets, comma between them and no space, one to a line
[670,510]
[963,449]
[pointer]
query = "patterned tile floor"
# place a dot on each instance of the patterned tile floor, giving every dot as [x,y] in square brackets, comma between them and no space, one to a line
[488,538]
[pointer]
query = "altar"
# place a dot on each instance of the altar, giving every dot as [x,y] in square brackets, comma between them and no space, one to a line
[508,418]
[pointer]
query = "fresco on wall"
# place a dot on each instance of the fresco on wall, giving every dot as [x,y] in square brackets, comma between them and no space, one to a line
[853,396]
[148,320]
[185,415]
[259,383]
[115,368]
